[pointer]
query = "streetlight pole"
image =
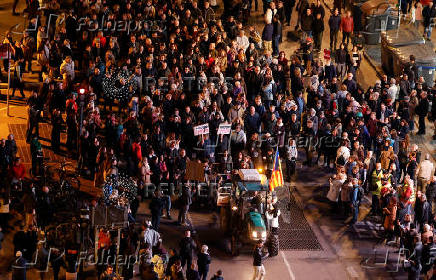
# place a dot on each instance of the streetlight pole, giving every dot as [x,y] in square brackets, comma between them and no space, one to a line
[8,54]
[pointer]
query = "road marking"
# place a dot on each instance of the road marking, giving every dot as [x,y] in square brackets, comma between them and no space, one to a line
[288,266]
[11,106]
[352,272]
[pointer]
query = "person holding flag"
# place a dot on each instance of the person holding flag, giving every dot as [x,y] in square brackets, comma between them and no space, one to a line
[276,179]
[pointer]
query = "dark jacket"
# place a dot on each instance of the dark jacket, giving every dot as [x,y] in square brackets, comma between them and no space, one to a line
[203,262]
[19,269]
[306,22]
[341,56]
[156,206]
[192,275]
[430,192]
[187,245]
[258,257]
[318,26]
[186,198]
[428,13]
[334,23]
[422,108]
[267,34]
[416,256]
[277,29]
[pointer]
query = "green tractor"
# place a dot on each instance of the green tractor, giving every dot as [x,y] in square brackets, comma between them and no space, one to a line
[242,209]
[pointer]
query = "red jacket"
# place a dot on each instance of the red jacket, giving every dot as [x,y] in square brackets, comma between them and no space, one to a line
[18,171]
[372,127]
[347,24]
[136,149]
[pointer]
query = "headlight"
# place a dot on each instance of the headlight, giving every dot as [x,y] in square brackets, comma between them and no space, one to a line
[260,170]
[254,234]
[263,234]
[234,208]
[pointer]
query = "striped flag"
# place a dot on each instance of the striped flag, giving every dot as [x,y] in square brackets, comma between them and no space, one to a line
[277,175]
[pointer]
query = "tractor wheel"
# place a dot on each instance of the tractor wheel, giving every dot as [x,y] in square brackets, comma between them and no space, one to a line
[235,246]
[228,246]
[273,245]
[224,219]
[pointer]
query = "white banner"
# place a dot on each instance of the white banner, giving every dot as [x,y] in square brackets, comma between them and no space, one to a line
[224,128]
[201,129]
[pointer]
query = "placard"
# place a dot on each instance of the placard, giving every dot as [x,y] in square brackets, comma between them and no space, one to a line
[201,129]
[224,128]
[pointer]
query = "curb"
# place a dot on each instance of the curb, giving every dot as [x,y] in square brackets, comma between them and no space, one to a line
[379,71]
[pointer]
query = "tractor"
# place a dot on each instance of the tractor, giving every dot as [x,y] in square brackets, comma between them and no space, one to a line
[242,207]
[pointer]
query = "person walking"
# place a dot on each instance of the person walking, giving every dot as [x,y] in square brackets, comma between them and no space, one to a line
[19,267]
[156,207]
[277,35]
[185,201]
[415,259]
[318,30]
[390,212]
[422,110]
[203,262]
[334,25]
[376,177]
[37,155]
[341,55]
[289,7]
[307,23]
[187,246]
[258,257]
[356,193]
[18,77]
[291,159]
[56,122]
[267,37]
[347,26]
[424,173]
[428,13]
[430,192]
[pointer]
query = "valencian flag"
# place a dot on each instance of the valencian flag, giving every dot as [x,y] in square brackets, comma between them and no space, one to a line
[277,174]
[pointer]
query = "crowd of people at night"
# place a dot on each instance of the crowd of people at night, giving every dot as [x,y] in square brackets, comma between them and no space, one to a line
[129,81]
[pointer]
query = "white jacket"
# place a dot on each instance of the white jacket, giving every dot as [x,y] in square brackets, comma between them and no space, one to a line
[273,221]
[67,70]
[335,189]
[425,170]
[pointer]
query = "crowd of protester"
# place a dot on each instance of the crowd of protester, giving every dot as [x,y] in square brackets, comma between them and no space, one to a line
[181,64]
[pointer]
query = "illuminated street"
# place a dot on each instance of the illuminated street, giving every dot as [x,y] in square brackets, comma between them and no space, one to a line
[314,241]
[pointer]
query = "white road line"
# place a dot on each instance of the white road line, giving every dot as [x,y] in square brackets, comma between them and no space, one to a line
[11,106]
[288,266]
